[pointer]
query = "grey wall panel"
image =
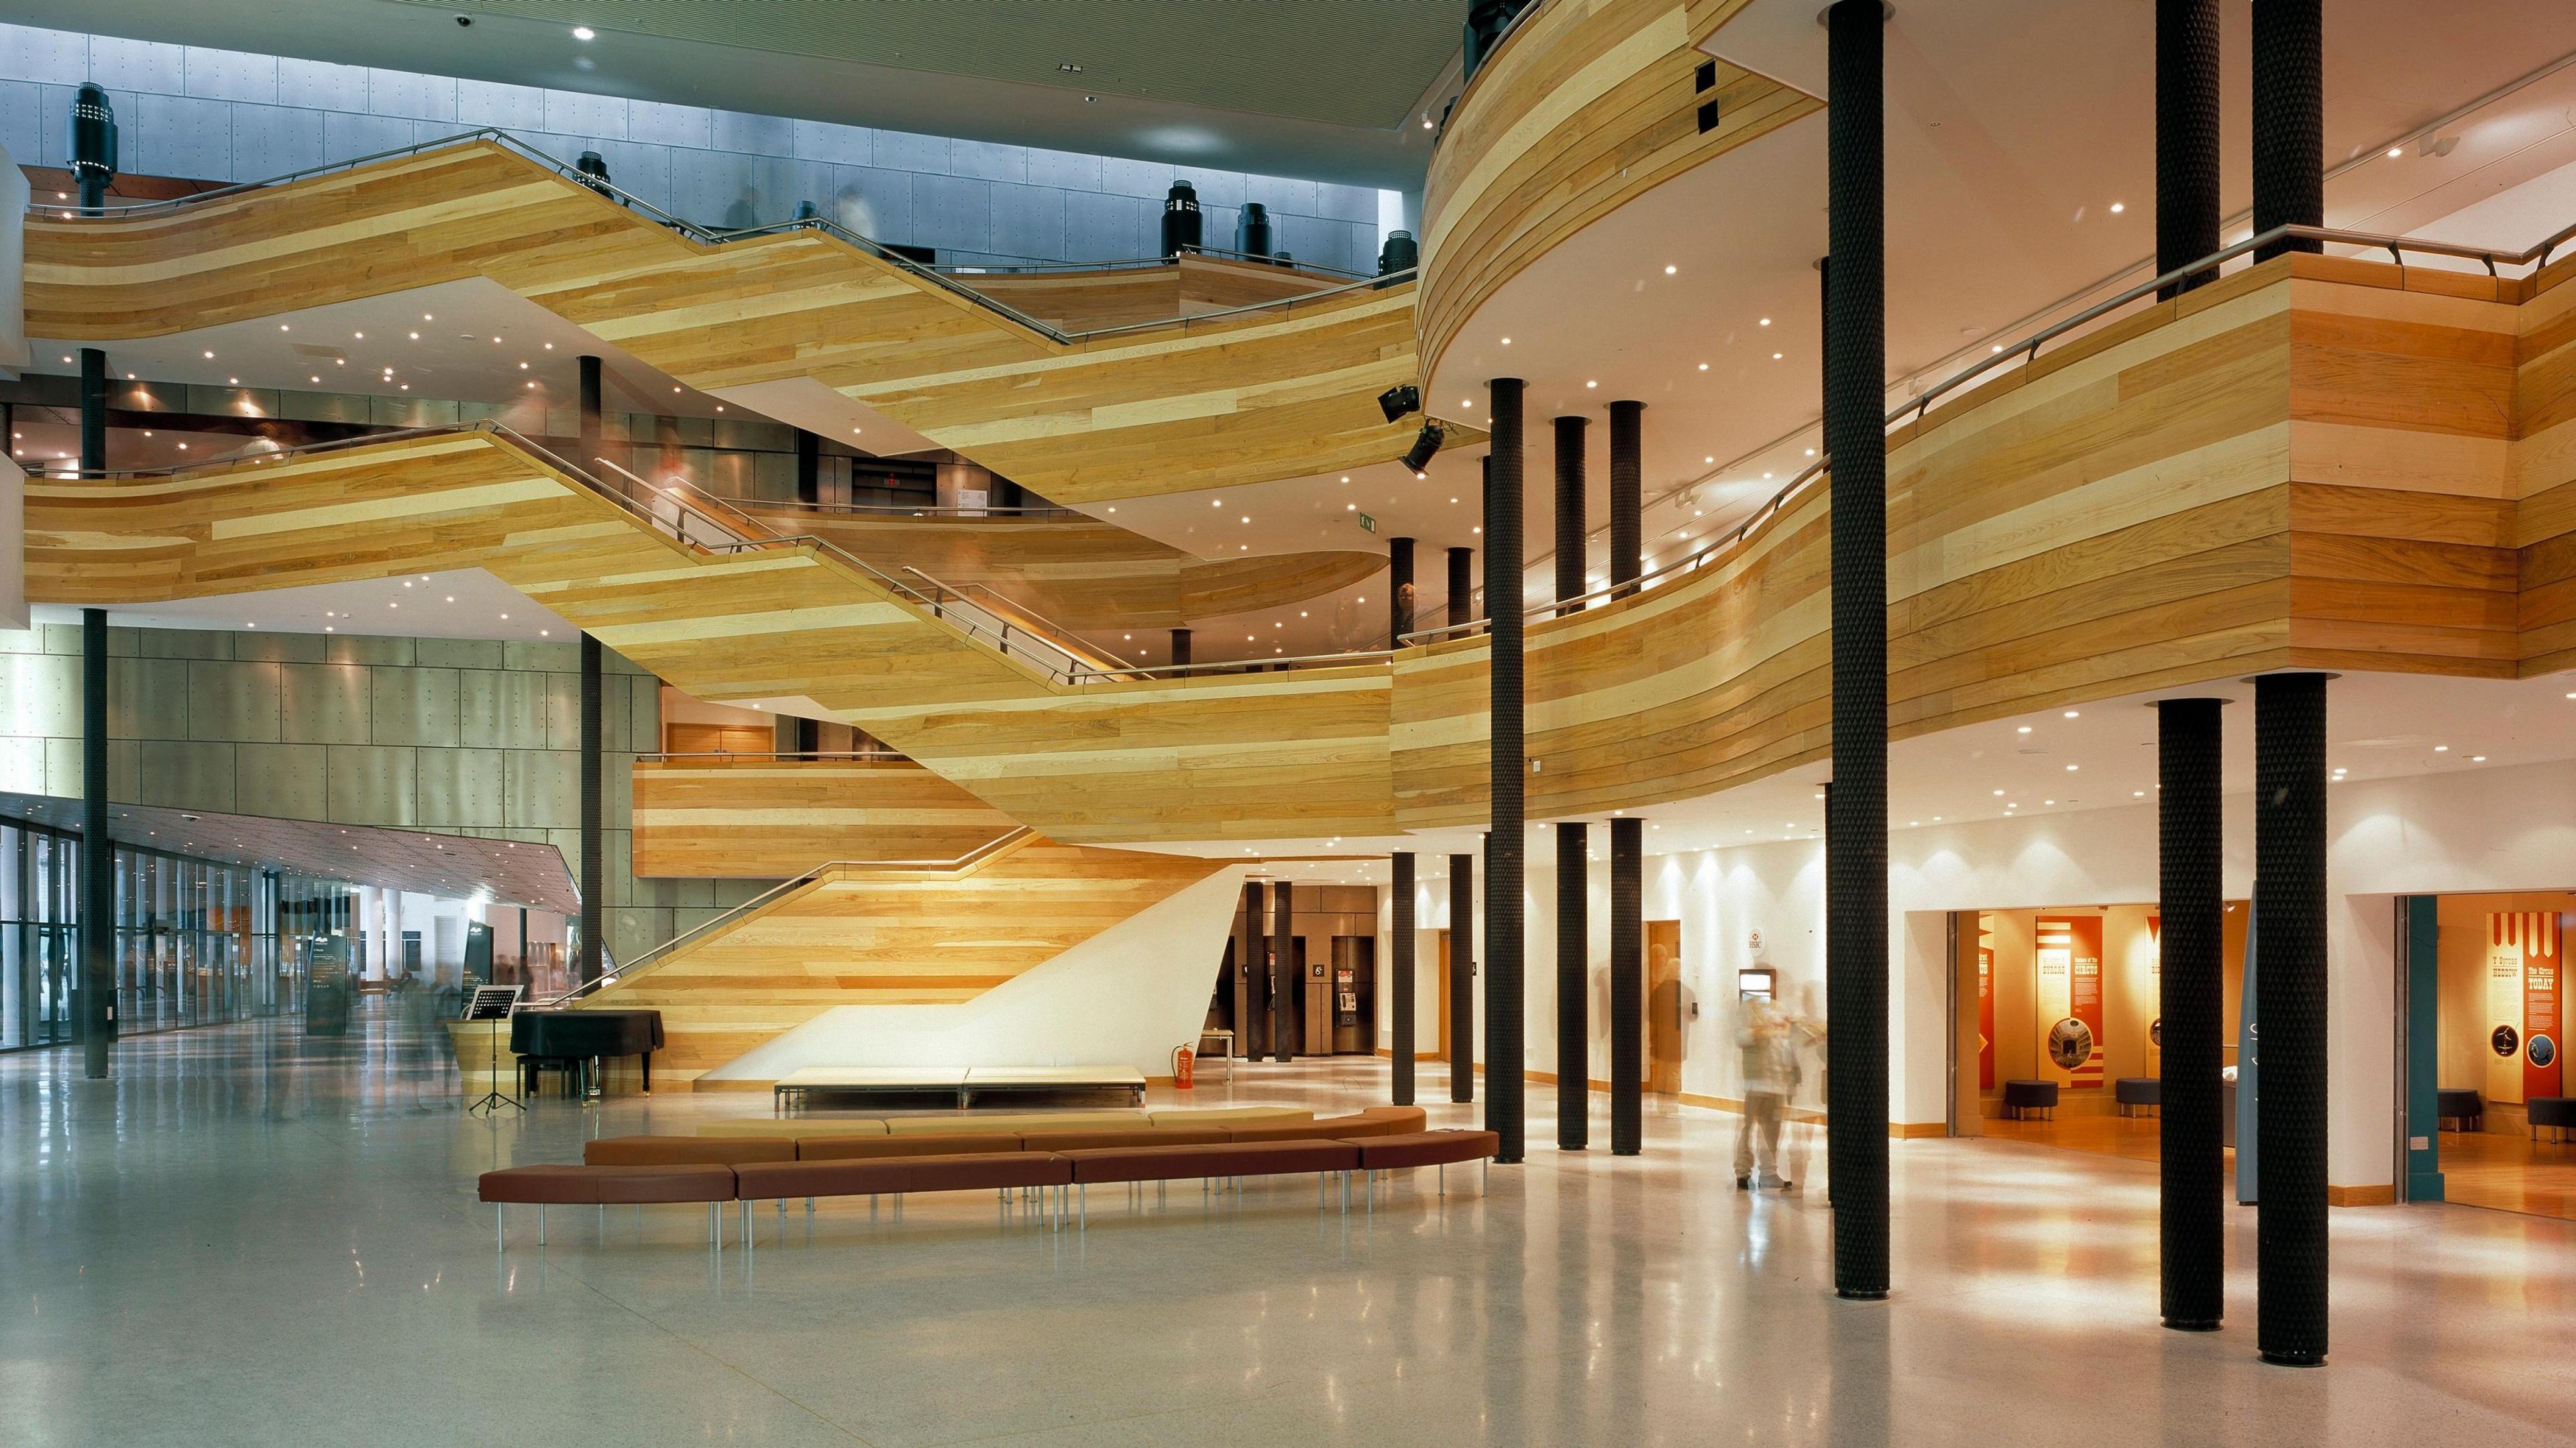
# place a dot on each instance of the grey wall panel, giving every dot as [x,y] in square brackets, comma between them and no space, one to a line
[324,703]
[730,893]
[146,699]
[279,648]
[544,792]
[616,771]
[458,653]
[231,700]
[633,932]
[22,640]
[563,711]
[172,773]
[415,706]
[22,764]
[363,649]
[374,785]
[498,710]
[182,643]
[562,658]
[63,768]
[40,694]
[464,788]
[282,781]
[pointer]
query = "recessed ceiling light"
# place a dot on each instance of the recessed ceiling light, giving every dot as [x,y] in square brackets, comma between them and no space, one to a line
[1507,341]
[2118,207]
[583,32]
[1591,384]
[2441,749]
[1703,367]
[2396,151]
[1668,271]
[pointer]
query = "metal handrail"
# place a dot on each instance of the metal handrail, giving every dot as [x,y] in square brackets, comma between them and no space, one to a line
[1061,631]
[663,952]
[1032,266]
[711,236]
[801,756]
[2026,351]
[1020,514]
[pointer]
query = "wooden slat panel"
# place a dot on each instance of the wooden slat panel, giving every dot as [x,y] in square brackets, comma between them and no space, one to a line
[767,819]
[1268,395]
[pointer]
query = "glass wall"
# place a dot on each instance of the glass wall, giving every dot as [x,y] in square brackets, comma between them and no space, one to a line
[197,941]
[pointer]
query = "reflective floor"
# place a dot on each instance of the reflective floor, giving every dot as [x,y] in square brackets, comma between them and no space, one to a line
[248,1238]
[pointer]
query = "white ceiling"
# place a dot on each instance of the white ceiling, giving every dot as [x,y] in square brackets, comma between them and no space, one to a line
[465,603]
[453,867]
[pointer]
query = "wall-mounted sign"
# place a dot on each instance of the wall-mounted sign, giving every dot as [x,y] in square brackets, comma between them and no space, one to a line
[2523,1011]
[1368,523]
[2069,956]
[1985,1007]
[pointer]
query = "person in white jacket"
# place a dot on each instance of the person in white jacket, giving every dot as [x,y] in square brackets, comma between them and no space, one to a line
[1762,1043]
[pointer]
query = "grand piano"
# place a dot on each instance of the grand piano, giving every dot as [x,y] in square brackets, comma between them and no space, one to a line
[575,1042]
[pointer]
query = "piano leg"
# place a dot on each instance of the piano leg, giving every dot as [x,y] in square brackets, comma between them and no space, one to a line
[648,1073]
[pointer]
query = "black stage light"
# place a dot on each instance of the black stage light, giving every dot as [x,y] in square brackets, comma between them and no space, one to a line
[1424,446]
[1395,402]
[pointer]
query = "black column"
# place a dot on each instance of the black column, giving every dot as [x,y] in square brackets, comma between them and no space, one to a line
[97,855]
[1400,979]
[588,462]
[2289,120]
[2186,139]
[1507,846]
[2290,1014]
[1462,586]
[2189,1001]
[1856,441]
[1627,491]
[1573,1023]
[1181,646]
[1286,990]
[594,874]
[1462,977]
[1399,590]
[809,467]
[1569,509]
[1255,956]
[1627,986]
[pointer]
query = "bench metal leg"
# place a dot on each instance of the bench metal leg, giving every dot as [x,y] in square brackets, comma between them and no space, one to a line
[1083,1207]
[500,1228]
[541,1224]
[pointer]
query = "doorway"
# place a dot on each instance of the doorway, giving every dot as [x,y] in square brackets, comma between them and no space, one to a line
[2489,1057]
[1664,1007]
[1442,1014]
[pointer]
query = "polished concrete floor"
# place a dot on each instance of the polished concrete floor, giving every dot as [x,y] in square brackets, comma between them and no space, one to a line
[251,1238]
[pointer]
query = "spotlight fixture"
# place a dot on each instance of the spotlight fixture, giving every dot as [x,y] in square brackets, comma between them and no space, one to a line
[1396,401]
[1425,445]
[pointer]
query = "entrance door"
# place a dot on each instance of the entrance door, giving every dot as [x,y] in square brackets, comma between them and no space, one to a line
[1664,1007]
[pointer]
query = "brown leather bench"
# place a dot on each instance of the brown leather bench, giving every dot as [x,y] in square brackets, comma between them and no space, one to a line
[1425,1148]
[684,1151]
[1092,1140]
[1209,1163]
[603,1187]
[1376,1121]
[857,1148]
[1003,1171]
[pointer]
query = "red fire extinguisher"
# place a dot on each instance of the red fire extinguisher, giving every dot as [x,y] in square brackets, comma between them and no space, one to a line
[1184,1067]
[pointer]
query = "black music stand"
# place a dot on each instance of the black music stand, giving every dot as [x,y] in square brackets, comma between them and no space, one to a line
[493,1003]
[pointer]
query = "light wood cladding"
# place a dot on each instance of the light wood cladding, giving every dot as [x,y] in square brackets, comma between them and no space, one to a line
[1084,574]
[1080,300]
[1585,108]
[890,937]
[1256,756]
[2317,463]
[1268,395]
[769,819]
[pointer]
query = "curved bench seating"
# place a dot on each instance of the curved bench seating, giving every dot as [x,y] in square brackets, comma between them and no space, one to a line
[2544,1113]
[2460,1105]
[878,1173]
[2134,1093]
[2024,1097]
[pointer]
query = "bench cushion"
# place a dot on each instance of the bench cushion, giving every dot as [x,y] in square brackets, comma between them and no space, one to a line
[794,1128]
[2138,1091]
[2458,1101]
[1014,1122]
[1226,1115]
[762,1181]
[1175,1163]
[615,1185]
[1150,1136]
[856,1148]
[987,1171]
[2030,1093]
[2551,1111]
[685,1150]
[1426,1148]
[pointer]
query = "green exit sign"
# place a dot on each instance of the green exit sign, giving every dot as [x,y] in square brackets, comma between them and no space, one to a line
[1368,522]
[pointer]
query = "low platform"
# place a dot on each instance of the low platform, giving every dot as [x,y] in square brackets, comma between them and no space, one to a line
[797,1088]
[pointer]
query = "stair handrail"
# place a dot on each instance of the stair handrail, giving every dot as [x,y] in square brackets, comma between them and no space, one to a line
[2025,351]
[662,954]
[704,235]
[1059,632]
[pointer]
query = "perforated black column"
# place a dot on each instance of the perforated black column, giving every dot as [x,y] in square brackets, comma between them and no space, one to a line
[1286,1017]
[2290,1014]
[1399,590]
[594,873]
[1507,846]
[2186,140]
[1400,979]
[97,855]
[1627,491]
[809,467]
[1856,441]
[1462,586]
[1573,1024]
[1462,977]
[591,432]
[2289,120]
[2189,1001]
[1627,986]
[1569,508]
[1181,648]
